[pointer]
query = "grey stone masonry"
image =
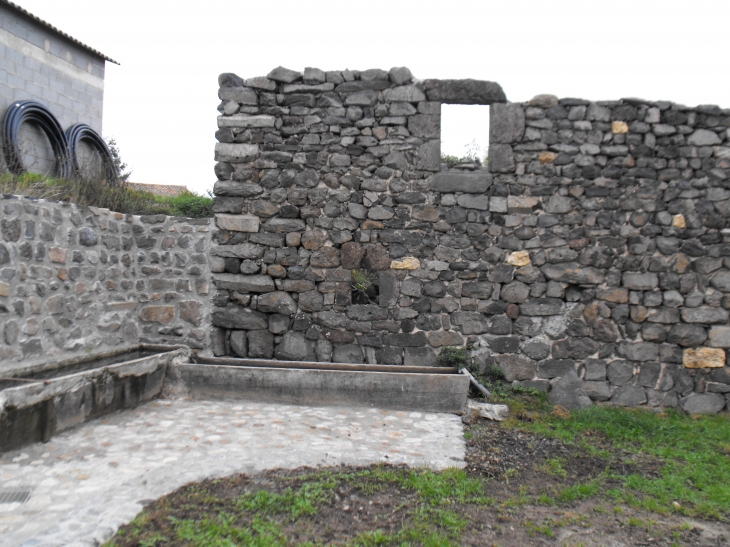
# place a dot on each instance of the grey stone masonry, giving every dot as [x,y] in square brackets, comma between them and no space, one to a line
[595,242]
[77,280]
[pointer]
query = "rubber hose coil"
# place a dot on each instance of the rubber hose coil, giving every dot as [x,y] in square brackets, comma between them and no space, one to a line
[81,131]
[31,111]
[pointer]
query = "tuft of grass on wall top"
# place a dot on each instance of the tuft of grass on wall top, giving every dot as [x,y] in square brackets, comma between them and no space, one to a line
[119,198]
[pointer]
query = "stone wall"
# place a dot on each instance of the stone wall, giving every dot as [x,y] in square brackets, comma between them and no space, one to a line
[590,258]
[79,280]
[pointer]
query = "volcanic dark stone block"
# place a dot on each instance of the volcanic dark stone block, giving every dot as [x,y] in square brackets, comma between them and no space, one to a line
[552,368]
[476,289]
[638,351]
[504,344]
[278,323]
[389,356]
[376,257]
[568,392]
[464,91]
[576,348]
[499,324]
[348,353]
[501,158]
[506,123]
[458,181]
[572,272]
[688,336]
[536,349]
[366,313]
[516,292]
[389,286]
[419,356]
[502,273]
[597,391]
[516,367]
[620,372]
[541,307]
[408,340]
[470,322]
[294,346]
[703,403]
[629,396]
[239,318]
[649,374]
[705,315]
[640,281]
[239,343]
[277,302]
[260,344]
[352,255]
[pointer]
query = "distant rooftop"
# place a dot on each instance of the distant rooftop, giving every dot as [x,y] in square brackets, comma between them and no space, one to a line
[165,190]
[57,31]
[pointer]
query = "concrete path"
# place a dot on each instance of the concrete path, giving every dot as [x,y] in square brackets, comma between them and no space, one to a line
[87,482]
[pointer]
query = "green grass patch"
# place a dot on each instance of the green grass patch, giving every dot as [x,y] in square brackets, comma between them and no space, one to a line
[691,450]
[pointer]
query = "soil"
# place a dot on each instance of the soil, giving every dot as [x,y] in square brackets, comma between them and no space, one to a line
[516,464]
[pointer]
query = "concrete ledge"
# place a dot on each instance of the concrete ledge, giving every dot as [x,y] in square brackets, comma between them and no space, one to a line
[390,390]
[273,363]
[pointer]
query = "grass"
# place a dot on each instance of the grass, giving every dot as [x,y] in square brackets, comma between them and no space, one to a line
[691,449]
[119,198]
[438,509]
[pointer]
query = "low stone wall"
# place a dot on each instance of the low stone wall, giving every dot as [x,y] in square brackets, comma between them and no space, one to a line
[591,258]
[80,280]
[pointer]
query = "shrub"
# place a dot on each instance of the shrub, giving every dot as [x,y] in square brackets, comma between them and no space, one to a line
[454,357]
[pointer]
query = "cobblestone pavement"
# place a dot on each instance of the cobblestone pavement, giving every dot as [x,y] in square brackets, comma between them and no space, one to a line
[87,482]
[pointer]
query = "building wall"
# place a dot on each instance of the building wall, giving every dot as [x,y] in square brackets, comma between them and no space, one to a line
[590,259]
[81,280]
[37,64]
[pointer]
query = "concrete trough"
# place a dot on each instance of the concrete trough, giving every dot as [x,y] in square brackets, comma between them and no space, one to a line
[427,389]
[50,399]
[37,403]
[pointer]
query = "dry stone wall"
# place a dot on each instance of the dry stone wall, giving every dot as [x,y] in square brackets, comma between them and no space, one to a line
[590,259]
[80,280]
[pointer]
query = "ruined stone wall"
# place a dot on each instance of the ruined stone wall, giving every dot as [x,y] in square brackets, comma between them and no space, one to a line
[590,258]
[82,280]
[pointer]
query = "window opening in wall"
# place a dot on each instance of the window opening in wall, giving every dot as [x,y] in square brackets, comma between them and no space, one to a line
[464,136]
[365,287]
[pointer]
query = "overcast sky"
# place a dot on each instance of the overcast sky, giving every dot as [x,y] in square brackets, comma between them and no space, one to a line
[160,104]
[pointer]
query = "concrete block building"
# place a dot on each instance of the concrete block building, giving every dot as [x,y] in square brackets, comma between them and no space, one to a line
[40,62]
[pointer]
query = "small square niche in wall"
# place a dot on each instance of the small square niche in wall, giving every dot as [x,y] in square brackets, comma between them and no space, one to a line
[464,136]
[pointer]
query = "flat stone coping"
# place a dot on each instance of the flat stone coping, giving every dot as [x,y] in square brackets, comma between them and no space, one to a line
[88,481]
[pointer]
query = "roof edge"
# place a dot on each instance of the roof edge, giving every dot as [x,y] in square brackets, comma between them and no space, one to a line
[37,19]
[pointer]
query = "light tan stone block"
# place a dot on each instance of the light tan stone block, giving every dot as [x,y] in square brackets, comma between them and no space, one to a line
[408,263]
[519,259]
[547,157]
[704,358]
[619,127]
[678,221]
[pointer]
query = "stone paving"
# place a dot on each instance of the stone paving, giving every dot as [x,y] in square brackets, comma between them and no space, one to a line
[87,482]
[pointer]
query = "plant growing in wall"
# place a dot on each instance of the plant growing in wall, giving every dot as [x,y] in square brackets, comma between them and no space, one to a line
[364,284]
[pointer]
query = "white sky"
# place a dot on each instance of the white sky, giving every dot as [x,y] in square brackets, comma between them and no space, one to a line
[160,104]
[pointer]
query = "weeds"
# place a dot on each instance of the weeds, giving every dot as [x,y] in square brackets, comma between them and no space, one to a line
[98,193]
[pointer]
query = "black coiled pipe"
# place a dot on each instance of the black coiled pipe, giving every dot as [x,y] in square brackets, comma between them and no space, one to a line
[31,111]
[79,131]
